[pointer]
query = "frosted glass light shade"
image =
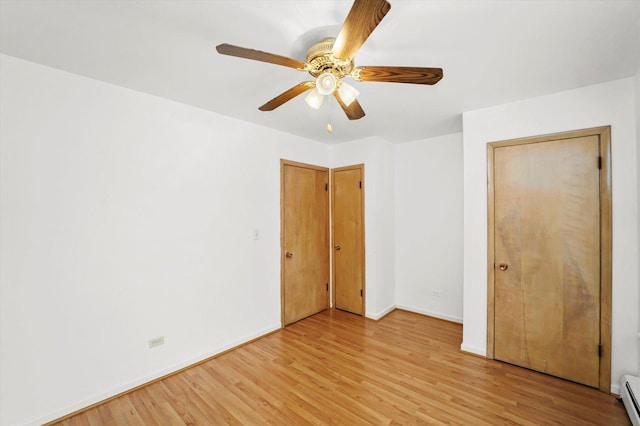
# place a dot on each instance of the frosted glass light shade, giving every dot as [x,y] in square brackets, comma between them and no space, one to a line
[348,93]
[326,83]
[314,99]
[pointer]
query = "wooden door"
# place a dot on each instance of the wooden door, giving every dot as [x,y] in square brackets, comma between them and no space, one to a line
[348,238]
[305,240]
[547,243]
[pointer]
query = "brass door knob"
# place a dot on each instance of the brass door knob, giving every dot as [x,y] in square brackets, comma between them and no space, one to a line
[503,266]
[288,255]
[337,247]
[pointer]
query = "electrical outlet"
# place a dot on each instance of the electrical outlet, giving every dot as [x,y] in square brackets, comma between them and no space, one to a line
[156,341]
[435,293]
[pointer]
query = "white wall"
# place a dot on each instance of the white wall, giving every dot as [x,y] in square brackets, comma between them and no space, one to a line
[378,158]
[636,93]
[385,209]
[604,104]
[125,217]
[428,197]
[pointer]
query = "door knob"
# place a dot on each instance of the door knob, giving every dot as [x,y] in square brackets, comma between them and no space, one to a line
[503,266]
[288,255]
[337,247]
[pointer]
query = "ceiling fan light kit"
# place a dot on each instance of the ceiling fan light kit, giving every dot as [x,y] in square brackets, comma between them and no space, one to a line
[326,83]
[331,59]
[348,93]
[314,99]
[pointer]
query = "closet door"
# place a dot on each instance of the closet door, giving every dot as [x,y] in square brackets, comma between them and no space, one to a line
[348,238]
[547,256]
[304,240]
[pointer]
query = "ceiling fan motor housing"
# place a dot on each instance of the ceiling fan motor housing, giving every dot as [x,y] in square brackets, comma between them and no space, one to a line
[321,60]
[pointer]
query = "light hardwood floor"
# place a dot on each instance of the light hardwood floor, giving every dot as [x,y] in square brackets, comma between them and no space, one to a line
[338,368]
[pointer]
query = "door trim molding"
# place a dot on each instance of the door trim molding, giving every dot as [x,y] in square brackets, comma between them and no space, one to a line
[604,134]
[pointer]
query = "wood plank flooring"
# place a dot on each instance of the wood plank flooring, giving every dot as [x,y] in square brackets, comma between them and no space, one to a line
[338,368]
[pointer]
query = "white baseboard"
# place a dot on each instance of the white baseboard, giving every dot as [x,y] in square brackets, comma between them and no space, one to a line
[476,350]
[431,313]
[615,388]
[117,390]
[380,314]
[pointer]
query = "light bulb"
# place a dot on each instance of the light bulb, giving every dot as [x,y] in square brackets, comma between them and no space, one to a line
[326,83]
[329,128]
[314,99]
[347,93]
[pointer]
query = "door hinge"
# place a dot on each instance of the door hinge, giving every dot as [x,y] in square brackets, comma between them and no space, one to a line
[600,351]
[360,292]
[326,186]
[327,286]
[599,163]
[360,184]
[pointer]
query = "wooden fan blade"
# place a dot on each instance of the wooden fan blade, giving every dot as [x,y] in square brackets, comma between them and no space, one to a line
[287,96]
[258,55]
[363,18]
[354,111]
[414,75]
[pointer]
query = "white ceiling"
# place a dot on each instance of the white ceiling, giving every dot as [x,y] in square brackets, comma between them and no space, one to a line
[491,52]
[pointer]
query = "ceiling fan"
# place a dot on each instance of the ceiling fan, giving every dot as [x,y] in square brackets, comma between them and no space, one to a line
[331,59]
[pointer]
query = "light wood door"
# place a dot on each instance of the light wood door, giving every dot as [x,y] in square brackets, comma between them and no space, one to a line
[348,238]
[305,240]
[547,257]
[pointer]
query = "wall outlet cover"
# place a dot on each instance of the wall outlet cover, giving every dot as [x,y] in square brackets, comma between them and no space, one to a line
[156,341]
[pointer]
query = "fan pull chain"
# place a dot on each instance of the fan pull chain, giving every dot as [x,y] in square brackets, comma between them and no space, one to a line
[329,126]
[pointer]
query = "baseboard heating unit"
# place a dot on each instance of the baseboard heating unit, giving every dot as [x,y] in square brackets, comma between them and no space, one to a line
[630,392]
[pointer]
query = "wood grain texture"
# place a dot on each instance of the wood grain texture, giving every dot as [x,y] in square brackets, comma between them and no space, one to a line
[338,368]
[547,226]
[606,236]
[354,111]
[363,18]
[305,236]
[287,95]
[412,75]
[258,55]
[348,234]
[605,229]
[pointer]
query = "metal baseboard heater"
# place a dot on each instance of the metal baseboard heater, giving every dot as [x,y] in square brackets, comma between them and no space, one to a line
[630,393]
